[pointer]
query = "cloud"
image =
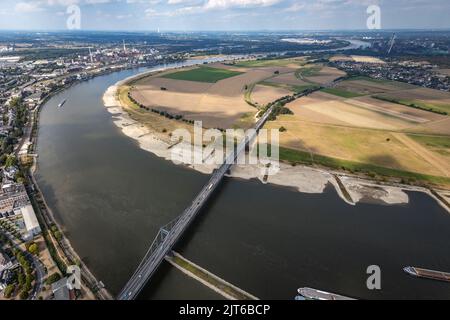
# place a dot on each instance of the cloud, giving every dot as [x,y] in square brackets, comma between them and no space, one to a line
[225,4]
[27,7]
[177,1]
[124,16]
[153,2]
[273,13]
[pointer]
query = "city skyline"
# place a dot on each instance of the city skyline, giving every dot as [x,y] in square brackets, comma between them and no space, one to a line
[222,15]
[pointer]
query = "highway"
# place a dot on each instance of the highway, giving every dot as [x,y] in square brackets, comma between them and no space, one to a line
[167,238]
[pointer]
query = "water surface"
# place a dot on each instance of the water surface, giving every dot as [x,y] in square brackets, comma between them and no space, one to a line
[112,197]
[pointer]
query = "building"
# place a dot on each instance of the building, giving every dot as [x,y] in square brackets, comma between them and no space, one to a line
[10,173]
[12,197]
[63,290]
[14,202]
[4,261]
[7,277]
[31,222]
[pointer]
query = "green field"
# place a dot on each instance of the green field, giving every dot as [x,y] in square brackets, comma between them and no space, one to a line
[302,157]
[293,88]
[341,93]
[438,144]
[202,74]
[260,63]
[308,72]
[443,109]
[432,141]
[363,78]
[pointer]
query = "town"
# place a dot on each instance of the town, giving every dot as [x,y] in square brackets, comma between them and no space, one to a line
[420,73]
[31,259]
[35,254]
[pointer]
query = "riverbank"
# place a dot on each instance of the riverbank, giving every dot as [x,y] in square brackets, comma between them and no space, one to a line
[60,249]
[351,188]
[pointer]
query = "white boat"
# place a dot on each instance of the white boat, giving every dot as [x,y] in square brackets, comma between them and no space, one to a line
[62,103]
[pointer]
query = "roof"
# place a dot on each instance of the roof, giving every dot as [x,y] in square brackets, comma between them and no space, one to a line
[60,290]
[3,259]
[29,218]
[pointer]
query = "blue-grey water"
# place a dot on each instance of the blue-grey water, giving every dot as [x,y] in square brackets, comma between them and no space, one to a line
[112,197]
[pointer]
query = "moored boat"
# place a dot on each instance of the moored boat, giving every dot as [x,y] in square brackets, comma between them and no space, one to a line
[427,274]
[314,294]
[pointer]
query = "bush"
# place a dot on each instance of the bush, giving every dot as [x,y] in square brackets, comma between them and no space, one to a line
[9,291]
[371,174]
[58,235]
[53,278]
[282,129]
[33,249]
[24,295]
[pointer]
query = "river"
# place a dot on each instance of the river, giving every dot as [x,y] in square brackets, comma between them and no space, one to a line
[111,198]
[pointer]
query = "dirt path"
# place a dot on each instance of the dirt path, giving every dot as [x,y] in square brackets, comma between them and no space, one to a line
[424,153]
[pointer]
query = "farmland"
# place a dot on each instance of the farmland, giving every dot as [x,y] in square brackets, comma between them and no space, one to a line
[219,95]
[203,74]
[260,63]
[422,98]
[341,93]
[344,126]
[347,126]
[300,157]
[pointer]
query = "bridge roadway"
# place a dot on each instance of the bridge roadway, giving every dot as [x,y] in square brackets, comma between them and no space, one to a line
[152,261]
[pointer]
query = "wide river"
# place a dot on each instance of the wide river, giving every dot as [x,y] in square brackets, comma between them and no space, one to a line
[111,197]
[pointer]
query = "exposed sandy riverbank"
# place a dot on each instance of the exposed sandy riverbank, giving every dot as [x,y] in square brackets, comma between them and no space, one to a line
[304,179]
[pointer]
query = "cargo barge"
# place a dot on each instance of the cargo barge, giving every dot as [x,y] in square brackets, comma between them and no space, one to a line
[314,294]
[428,274]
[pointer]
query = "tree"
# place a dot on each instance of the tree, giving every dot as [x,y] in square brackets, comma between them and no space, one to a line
[3,158]
[21,279]
[24,295]
[9,291]
[33,249]
[10,161]
[14,102]
[53,278]
[58,235]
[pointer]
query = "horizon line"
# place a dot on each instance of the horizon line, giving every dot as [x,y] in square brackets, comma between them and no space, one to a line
[225,30]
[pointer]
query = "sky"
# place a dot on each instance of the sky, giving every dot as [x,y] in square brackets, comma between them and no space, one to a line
[231,15]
